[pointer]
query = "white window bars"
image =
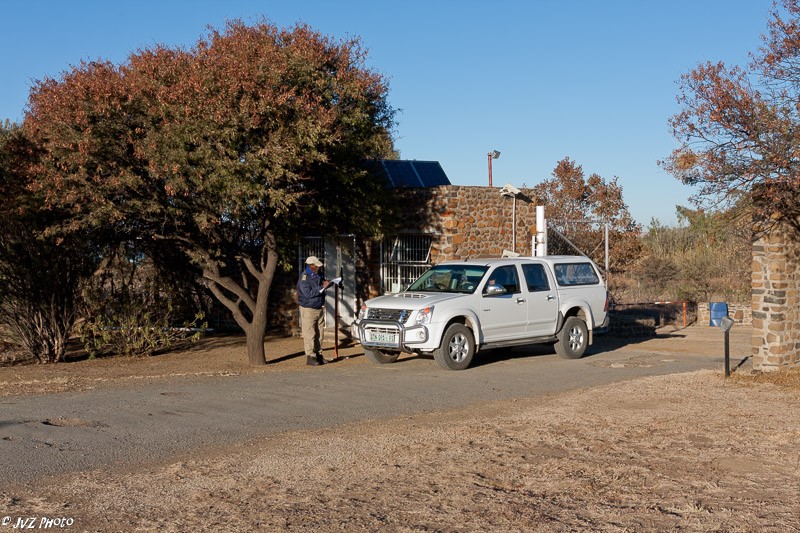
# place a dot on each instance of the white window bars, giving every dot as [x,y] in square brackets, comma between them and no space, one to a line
[403,259]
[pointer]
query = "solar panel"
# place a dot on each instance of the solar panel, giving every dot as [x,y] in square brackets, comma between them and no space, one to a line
[407,173]
[431,173]
[401,174]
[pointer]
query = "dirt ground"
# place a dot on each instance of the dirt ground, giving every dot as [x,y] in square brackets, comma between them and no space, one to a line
[686,452]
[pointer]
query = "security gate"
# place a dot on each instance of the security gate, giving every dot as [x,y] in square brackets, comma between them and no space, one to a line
[338,256]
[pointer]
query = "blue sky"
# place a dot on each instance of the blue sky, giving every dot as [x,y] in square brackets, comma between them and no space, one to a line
[538,80]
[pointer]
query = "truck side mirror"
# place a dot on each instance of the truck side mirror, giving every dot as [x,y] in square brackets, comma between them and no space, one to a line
[494,290]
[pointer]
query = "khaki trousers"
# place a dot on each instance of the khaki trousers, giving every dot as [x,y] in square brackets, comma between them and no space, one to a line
[312,327]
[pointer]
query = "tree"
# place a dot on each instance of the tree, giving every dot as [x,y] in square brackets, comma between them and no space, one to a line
[40,273]
[740,127]
[229,151]
[572,201]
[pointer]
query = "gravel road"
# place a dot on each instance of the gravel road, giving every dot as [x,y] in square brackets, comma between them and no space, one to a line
[52,434]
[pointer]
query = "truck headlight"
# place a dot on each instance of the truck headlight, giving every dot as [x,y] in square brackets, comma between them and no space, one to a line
[363,312]
[424,316]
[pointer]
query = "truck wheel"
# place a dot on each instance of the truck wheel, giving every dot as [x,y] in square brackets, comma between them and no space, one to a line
[457,348]
[380,357]
[572,339]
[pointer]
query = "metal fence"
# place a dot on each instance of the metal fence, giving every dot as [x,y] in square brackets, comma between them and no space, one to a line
[590,236]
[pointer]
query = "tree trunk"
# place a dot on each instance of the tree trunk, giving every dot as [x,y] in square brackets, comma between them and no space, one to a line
[258,326]
[237,295]
[256,355]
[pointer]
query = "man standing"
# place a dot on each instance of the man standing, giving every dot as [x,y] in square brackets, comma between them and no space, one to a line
[311,297]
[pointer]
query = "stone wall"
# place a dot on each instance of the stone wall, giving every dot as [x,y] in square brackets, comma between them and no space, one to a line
[740,313]
[631,325]
[776,303]
[679,314]
[470,221]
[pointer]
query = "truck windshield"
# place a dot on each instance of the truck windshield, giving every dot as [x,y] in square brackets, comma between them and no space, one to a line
[450,278]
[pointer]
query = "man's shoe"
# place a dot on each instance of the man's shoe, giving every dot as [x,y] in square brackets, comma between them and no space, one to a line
[320,360]
[313,361]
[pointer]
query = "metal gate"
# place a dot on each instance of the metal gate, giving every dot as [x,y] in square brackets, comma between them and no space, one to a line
[594,245]
[338,256]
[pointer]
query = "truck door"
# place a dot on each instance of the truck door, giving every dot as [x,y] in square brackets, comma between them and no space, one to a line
[503,316]
[542,300]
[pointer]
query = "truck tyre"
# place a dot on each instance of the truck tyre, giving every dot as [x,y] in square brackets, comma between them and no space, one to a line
[457,348]
[379,357]
[572,339]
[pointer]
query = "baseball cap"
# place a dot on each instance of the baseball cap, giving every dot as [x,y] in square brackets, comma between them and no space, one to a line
[313,260]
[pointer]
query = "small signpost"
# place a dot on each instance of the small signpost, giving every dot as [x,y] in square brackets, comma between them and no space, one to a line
[726,323]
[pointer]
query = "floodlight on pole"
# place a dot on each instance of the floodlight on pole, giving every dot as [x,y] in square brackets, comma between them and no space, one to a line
[494,154]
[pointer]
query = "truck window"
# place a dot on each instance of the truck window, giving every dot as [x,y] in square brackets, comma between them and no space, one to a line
[449,278]
[535,278]
[507,277]
[569,274]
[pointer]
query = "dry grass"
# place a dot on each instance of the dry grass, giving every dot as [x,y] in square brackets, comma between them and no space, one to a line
[685,452]
[788,379]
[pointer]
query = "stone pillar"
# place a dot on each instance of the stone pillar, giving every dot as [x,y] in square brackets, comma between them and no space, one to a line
[776,306]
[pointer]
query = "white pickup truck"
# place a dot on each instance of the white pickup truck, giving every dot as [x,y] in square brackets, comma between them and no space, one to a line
[457,308]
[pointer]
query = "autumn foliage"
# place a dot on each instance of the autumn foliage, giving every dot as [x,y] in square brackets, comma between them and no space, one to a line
[579,207]
[228,151]
[739,127]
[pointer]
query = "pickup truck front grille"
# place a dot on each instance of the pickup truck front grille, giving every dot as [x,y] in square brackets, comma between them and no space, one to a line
[395,315]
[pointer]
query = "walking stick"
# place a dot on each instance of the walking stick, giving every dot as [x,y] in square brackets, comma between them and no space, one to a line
[336,322]
[336,304]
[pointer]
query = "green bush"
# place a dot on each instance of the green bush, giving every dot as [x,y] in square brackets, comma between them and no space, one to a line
[134,308]
[136,330]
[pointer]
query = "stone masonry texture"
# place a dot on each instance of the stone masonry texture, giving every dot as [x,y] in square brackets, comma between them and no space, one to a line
[775,299]
[470,221]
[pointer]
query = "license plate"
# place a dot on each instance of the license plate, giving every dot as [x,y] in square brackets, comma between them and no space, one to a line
[377,337]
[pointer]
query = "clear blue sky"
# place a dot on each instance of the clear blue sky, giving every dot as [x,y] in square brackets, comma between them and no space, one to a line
[537,80]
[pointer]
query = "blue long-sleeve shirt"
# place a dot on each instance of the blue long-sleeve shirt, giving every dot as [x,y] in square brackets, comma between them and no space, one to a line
[308,289]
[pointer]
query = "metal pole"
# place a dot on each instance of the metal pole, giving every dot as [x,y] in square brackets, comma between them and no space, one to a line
[727,353]
[541,231]
[490,169]
[336,321]
[514,225]
[727,323]
[339,272]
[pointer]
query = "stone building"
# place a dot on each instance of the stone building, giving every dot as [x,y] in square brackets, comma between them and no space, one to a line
[439,222]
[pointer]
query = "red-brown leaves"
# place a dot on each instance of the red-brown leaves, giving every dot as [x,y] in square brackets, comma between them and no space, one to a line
[740,128]
[232,125]
[570,197]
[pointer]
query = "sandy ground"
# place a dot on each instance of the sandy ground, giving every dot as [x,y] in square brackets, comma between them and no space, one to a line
[688,452]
